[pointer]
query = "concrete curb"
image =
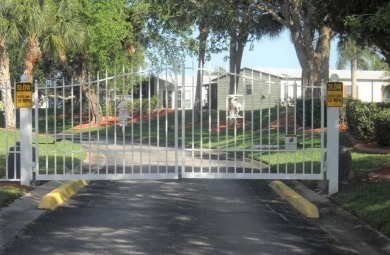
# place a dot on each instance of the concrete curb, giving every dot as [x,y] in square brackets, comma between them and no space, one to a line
[305,207]
[61,194]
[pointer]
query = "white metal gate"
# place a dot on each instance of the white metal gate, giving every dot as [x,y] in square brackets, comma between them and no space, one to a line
[148,127]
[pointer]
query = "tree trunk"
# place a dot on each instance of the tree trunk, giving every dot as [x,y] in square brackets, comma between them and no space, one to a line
[311,40]
[314,61]
[90,94]
[33,56]
[354,87]
[203,34]
[236,52]
[5,87]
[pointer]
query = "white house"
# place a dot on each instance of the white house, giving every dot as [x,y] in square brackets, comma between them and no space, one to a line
[174,90]
[369,83]
[259,88]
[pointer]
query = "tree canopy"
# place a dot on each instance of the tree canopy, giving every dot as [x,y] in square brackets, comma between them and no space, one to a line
[363,20]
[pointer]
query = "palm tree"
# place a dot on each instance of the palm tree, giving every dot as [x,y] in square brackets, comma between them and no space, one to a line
[8,35]
[52,26]
[359,58]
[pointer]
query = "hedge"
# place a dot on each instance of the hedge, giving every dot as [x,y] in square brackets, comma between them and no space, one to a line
[312,112]
[360,117]
[382,127]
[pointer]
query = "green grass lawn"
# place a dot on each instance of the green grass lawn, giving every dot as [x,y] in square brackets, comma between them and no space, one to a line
[368,199]
[9,194]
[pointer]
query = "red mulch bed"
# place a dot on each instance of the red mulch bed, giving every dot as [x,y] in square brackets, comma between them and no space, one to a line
[15,185]
[110,121]
[383,173]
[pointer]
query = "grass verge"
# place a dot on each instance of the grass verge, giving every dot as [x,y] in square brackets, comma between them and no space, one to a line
[369,201]
[9,192]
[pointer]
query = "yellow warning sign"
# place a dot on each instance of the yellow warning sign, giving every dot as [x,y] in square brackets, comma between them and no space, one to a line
[24,94]
[334,94]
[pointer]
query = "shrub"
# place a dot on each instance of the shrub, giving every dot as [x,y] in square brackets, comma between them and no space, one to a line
[382,127]
[136,106]
[360,118]
[312,106]
[383,105]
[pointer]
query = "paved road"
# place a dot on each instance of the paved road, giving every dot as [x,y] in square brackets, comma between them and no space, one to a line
[175,217]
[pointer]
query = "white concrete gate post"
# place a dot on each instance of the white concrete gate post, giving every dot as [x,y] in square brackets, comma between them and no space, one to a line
[25,142]
[333,145]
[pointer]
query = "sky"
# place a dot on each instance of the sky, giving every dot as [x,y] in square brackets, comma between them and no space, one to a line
[271,53]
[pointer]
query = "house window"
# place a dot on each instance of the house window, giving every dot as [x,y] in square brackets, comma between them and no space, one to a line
[179,99]
[386,95]
[347,91]
[187,101]
[249,89]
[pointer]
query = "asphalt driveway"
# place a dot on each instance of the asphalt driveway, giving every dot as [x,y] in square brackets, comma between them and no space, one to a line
[176,217]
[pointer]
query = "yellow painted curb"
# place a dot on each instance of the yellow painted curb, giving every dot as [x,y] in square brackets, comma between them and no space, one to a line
[301,204]
[61,194]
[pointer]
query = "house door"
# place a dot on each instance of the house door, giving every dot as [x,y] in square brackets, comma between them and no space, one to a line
[167,96]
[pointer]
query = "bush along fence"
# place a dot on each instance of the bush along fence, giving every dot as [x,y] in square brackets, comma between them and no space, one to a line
[367,121]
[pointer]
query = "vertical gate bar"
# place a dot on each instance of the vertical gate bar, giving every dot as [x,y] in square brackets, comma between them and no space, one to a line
[312,129]
[107,102]
[243,129]
[63,128]
[113,97]
[132,81]
[201,119]
[209,117]
[322,125]
[149,122]
[90,84]
[183,123]
[193,92]
[235,120]
[303,88]
[261,83]
[166,117]
[285,87]
[141,133]
[15,137]
[72,125]
[98,121]
[218,127]
[278,87]
[176,122]
[116,119]
[124,92]
[45,124]
[81,121]
[269,121]
[295,123]
[55,129]
[7,136]
[227,130]
[252,118]
[158,120]
[36,104]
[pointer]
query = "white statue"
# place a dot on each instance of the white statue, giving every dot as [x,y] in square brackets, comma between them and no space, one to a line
[235,107]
